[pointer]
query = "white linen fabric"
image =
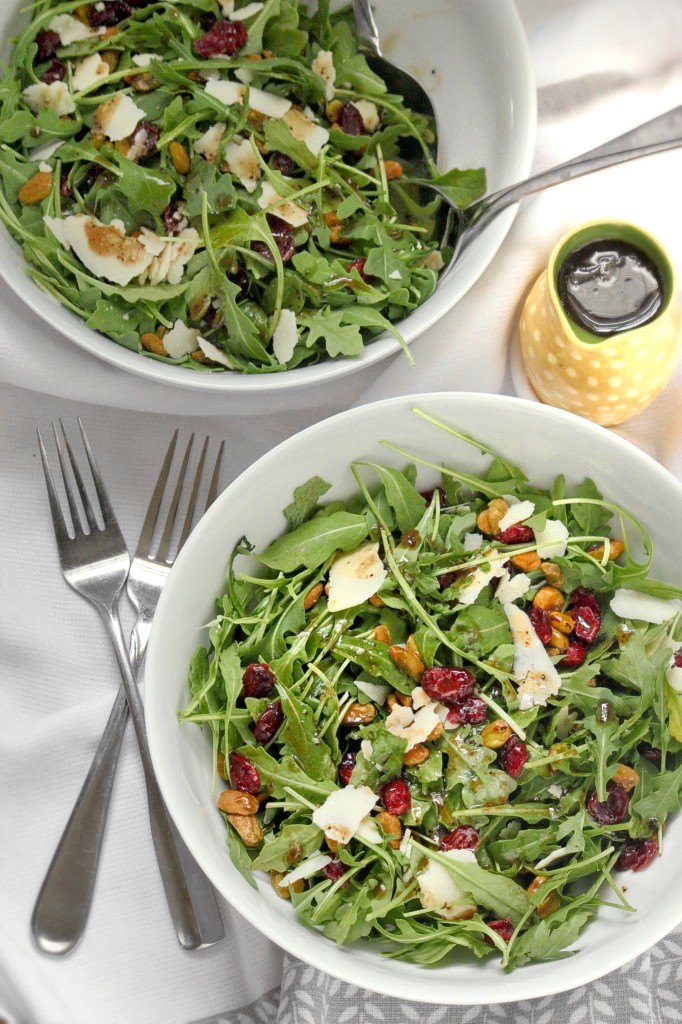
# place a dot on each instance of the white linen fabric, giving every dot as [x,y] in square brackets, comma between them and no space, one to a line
[601,69]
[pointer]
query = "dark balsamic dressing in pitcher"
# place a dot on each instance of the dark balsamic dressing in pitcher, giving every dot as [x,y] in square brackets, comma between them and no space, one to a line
[608,286]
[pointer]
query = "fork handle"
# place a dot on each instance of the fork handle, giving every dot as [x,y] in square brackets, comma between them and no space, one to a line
[189,893]
[61,910]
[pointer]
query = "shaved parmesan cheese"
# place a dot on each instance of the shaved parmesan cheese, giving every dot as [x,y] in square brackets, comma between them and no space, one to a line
[216,355]
[674,676]
[304,130]
[555,791]
[369,114]
[630,604]
[118,117]
[414,728]
[227,92]
[479,578]
[369,831]
[169,255]
[551,858]
[420,698]
[533,670]
[104,249]
[207,145]
[143,60]
[180,340]
[306,869]
[227,7]
[72,30]
[434,261]
[342,812]
[285,336]
[46,150]
[438,890]
[366,749]
[240,159]
[53,96]
[290,212]
[45,168]
[354,577]
[376,692]
[519,511]
[323,65]
[263,102]
[89,71]
[405,842]
[472,541]
[247,11]
[511,588]
[551,542]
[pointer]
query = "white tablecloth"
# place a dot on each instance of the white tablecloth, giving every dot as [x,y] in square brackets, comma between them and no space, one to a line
[601,68]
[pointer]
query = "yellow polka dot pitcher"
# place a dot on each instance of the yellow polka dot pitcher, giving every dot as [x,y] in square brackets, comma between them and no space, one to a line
[605,379]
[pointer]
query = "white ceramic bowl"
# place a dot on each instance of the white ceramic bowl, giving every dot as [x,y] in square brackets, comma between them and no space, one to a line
[474,61]
[545,441]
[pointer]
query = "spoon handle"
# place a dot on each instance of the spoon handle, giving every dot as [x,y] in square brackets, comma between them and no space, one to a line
[366,28]
[664,132]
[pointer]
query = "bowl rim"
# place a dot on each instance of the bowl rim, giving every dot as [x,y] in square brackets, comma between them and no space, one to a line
[280,930]
[75,330]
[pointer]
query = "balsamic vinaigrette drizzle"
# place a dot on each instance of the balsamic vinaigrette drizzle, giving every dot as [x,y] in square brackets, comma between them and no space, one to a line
[608,286]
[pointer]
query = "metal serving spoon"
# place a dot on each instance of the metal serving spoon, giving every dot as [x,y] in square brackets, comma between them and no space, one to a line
[655,136]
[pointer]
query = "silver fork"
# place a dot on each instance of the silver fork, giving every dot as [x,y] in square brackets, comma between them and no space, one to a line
[96,564]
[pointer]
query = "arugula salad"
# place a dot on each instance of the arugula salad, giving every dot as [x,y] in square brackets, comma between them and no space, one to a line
[216,185]
[448,719]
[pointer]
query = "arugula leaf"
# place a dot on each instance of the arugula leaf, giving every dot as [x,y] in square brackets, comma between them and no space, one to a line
[305,501]
[462,187]
[313,542]
[402,496]
[300,736]
[294,843]
[501,895]
[663,797]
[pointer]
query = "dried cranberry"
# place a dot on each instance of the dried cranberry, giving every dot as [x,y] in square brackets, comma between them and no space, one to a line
[574,655]
[108,12]
[587,623]
[93,174]
[359,265]
[244,774]
[267,724]
[446,579]
[503,927]
[173,219]
[284,239]
[637,854]
[346,767]
[350,120]
[428,495]
[513,756]
[55,73]
[610,811]
[677,660]
[241,279]
[464,837]
[583,596]
[143,140]
[65,189]
[541,624]
[395,796]
[258,680]
[226,37]
[47,42]
[516,534]
[471,711]
[652,754]
[284,164]
[335,870]
[448,685]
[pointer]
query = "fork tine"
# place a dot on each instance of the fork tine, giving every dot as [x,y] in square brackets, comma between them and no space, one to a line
[189,515]
[60,528]
[70,500]
[87,507]
[147,533]
[164,543]
[213,487]
[108,515]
